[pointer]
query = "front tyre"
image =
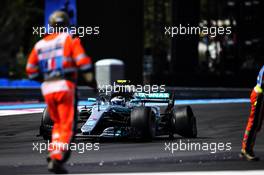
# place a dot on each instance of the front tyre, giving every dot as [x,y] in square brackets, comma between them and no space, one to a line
[144,122]
[46,125]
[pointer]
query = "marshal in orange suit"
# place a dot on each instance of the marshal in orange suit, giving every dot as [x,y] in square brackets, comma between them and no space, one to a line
[56,59]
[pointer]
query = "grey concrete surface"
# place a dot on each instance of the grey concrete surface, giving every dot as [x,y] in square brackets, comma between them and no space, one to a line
[217,123]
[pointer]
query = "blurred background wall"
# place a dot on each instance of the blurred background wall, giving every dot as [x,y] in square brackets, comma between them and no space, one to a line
[133,31]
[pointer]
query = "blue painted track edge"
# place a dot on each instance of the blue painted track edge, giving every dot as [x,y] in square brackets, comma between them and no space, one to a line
[177,102]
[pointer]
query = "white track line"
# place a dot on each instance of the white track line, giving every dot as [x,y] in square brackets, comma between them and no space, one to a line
[245,172]
[20,111]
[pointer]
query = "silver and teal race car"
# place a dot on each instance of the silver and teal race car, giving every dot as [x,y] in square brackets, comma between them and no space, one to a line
[130,115]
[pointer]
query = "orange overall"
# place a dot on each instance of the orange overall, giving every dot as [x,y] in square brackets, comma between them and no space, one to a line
[254,121]
[56,58]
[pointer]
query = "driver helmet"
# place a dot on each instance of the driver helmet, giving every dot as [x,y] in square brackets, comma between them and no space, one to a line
[119,100]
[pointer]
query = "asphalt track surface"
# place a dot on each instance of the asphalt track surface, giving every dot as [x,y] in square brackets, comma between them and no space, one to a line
[217,123]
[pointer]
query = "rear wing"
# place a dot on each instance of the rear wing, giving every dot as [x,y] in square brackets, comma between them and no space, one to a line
[152,97]
[156,98]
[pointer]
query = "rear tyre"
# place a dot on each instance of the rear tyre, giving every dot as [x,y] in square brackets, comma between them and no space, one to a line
[46,125]
[144,122]
[184,122]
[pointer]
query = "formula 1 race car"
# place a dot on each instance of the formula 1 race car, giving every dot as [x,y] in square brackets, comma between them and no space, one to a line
[126,115]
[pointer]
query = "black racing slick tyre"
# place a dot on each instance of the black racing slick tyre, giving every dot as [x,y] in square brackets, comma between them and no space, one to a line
[184,122]
[46,125]
[144,122]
